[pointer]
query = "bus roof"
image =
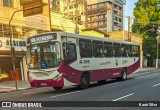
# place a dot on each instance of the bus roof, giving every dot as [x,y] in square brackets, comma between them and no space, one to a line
[90,37]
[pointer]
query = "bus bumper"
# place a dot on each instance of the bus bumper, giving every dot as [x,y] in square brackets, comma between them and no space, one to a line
[49,83]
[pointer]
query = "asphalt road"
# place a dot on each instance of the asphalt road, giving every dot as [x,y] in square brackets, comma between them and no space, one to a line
[141,86]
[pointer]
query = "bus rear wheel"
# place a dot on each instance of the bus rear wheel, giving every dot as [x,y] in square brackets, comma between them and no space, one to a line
[84,81]
[58,88]
[124,75]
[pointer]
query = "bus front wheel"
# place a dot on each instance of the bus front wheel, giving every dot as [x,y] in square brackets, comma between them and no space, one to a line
[84,81]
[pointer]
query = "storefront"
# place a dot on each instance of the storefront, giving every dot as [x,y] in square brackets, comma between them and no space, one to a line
[6,71]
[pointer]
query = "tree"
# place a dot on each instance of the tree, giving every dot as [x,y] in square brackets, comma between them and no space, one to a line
[147,14]
[146,22]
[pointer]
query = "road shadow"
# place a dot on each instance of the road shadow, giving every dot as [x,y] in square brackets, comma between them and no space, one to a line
[92,85]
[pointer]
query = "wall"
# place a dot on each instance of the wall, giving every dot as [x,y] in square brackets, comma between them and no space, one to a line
[18,19]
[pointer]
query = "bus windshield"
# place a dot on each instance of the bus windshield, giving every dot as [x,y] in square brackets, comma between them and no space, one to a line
[43,55]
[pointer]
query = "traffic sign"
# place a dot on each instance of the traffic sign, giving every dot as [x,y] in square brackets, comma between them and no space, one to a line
[29,10]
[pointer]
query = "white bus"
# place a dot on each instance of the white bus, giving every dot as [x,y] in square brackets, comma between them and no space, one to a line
[60,59]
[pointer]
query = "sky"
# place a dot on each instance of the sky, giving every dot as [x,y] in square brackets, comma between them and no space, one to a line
[129,7]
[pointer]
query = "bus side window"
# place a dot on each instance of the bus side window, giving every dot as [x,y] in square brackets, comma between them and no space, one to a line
[85,48]
[108,51]
[130,51]
[136,51]
[98,49]
[116,50]
[124,50]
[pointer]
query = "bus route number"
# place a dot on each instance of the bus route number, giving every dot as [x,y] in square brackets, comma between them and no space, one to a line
[84,61]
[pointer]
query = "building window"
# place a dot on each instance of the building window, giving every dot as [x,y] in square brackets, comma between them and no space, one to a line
[8,3]
[70,7]
[94,6]
[7,30]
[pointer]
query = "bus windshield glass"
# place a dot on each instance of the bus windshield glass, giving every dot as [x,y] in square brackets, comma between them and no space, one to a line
[44,55]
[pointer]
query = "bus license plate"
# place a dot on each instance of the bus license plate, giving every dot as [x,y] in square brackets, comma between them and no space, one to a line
[43,84]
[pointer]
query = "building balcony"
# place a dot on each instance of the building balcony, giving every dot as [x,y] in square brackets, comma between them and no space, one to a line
[96,14]
[97,26]
[118,10]
[117,4]
[117,21]
[118,27]
[97,20]
[118,15]
[96,8]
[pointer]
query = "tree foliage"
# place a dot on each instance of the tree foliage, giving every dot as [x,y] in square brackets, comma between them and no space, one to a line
[146,22]
[147,15]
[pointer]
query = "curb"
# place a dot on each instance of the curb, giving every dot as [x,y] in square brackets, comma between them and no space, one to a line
[9,91]
[149,69]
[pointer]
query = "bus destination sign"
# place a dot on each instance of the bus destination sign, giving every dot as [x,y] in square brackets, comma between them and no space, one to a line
[43,38]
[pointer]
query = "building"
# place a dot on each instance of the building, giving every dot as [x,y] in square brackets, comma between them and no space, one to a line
[92,14]
[20,28]
[105,20]
[72,10]
[69,8]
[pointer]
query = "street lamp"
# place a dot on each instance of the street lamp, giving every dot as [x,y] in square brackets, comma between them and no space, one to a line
[158,40]
[11,43]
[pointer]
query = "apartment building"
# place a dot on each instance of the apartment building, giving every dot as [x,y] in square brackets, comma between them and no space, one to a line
[105,20]
[21,28]
[70,8]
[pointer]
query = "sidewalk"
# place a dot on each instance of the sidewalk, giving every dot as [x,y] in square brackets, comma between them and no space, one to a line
[9,86]
[147,68]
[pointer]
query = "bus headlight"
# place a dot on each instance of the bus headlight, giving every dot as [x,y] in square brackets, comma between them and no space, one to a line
[58,76]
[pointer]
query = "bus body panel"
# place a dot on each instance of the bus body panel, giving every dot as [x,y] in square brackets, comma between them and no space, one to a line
[74,75]
[98,68]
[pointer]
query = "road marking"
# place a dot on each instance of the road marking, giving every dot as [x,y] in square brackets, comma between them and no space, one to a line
[140,77]
[136,74]
[35,92]
[64,94]
[156,85]
[123,97]
[147,76]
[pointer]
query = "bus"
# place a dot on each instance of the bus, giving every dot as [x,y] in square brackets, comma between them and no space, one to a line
[60,59]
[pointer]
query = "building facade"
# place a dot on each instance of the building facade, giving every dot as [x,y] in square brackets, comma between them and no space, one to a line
[20,28]
[105,20]
[69,8]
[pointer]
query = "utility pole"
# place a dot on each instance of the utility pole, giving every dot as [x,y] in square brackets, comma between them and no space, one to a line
[13,56]
[129,36]
[77,28]
[158,40]
[49,10]
[85,13]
